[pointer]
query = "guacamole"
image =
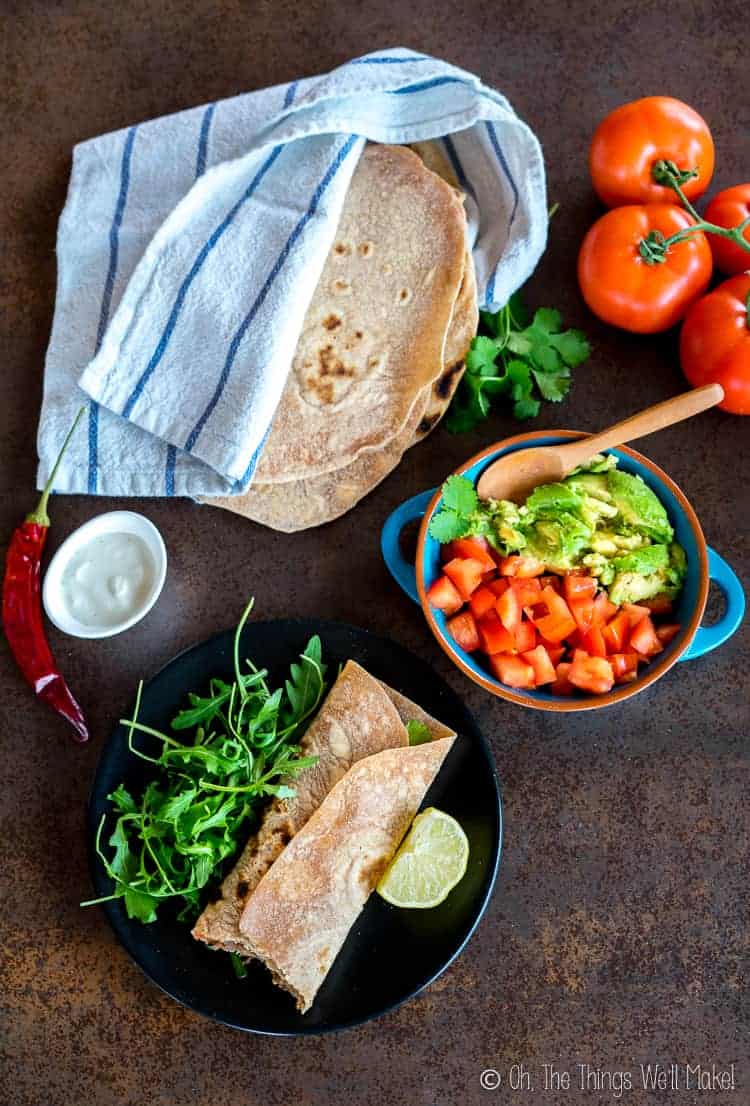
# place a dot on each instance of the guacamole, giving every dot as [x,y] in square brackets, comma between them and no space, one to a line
[598,518]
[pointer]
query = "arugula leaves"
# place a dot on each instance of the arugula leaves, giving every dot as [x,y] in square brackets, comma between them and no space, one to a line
[518,359]
[193,816]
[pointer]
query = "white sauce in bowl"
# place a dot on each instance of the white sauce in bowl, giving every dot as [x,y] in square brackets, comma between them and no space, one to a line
[108,580]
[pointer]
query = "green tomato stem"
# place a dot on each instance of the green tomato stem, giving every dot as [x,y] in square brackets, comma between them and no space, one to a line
[655,247]
[40,516]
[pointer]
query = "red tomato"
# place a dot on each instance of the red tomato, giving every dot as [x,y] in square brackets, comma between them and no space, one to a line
[622,288]
[615,633]
[591,673]
[550,582]
[562,685]
[593,643]
[544,669]
[578,586]
[475,548]
[715,343]
[509,609]
[482,600]
[644,640]
[635,613]
[625,667]
[523,567]
[524,636]
[528,591]
[463,630]
[603,609]
[632,138]
[466,574]
[512,671]
[668,632]
[444,596]
[493,635]
[728,209]
[583,613]
[498,586]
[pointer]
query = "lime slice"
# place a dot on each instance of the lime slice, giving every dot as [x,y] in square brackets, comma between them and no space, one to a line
[431,861]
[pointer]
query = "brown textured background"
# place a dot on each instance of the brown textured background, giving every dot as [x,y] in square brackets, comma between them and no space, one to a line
[619,927]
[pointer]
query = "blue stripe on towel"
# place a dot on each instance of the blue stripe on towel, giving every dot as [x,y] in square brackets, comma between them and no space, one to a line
[200,168]
[450,149]
[192,274]
[433,82]
[279,264]
[490,291]
[389,61]
[290,93]
[109,284]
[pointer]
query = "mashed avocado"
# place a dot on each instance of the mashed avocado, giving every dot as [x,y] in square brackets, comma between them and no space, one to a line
[598,518]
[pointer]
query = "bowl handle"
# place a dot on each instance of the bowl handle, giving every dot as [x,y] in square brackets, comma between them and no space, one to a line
[400,569]
[709,637]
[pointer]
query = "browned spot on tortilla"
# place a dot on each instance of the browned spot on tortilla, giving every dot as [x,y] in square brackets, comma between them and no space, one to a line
[331,364]
[443,385]
[366,249]
[404,295]
[358,334]
[342,287]
[331,322]
[343,249]
[242,888]
[427,424]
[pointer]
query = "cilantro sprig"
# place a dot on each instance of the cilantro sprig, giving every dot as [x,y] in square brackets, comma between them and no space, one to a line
[173,840]
[522,360]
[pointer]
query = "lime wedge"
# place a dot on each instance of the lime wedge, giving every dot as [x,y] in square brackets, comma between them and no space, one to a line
[431,861]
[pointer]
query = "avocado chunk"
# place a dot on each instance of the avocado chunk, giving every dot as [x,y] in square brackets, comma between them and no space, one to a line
[638,507]
[644,573]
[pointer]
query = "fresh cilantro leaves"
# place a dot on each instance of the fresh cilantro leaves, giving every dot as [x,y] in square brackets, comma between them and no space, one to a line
[524,360]
[418,732]
[459,503]
[171,841]
[454,519]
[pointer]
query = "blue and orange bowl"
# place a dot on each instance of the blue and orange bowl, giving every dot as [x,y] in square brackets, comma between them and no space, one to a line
[704,565]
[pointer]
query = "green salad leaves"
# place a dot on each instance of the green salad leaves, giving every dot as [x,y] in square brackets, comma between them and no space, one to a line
[519,359]
[240,747]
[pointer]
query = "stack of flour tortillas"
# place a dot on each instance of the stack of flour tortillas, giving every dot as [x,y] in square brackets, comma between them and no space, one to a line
[382,347]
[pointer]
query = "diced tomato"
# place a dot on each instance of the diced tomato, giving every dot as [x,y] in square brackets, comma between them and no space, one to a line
[644,640]
[443,596]
[635,613]
[544,669]
[558,623]
[615,633]
[583,612]
[603,609]
[574,640]
[624,666]
[553,582]
[475,549]
[463,630]
[658,604]
[562,685]
[482,600]
[509,609]
[528,591]
[466,574]
[525,636]
[591,673]
[498,586]
[578,586]
[523,567]
[556,652]
[592,642]
[494,636]
[668,632]
[512,671]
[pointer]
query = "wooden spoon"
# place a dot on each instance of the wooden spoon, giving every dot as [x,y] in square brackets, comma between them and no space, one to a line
[515,475]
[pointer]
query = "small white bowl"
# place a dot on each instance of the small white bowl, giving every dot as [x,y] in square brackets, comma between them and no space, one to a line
[117,522]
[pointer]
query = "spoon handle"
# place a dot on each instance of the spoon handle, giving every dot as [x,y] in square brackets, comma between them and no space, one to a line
[646,422]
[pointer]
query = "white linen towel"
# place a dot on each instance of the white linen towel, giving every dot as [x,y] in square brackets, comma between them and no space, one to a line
[190,246]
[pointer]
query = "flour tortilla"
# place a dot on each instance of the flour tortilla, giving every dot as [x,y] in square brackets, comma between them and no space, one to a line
[301,504]
[357,718]
[374,332]
[302,910]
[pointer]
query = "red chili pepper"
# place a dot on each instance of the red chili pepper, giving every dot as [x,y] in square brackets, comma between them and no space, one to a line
[22,609]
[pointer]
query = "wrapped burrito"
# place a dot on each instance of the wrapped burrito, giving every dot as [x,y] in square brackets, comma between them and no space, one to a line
[301,912]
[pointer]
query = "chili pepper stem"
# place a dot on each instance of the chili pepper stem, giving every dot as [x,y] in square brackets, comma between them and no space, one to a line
[40,516]
[654,247]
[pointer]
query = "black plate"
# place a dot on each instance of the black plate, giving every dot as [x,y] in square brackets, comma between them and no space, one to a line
[390,954]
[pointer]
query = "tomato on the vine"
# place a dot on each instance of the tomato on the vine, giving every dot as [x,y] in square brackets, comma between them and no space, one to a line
[633,138]
[730,208]
[715,343]
[639,287]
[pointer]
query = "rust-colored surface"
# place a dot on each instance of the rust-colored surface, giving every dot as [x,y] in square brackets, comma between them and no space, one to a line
[619,928]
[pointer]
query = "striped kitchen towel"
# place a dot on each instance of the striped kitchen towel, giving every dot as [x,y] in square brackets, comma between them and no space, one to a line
[190,246]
